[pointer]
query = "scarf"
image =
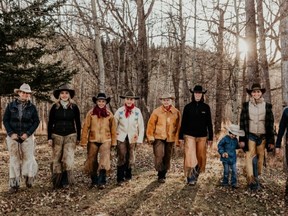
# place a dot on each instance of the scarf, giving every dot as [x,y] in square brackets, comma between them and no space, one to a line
[100,112]
[64,104]
[167,109]
[128,110]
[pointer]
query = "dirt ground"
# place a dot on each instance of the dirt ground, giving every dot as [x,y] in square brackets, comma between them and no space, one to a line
[144,195]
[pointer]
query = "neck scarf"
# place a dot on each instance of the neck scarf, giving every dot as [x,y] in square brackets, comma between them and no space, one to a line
[100,112]
[168,108]
[64,104]
[128,110]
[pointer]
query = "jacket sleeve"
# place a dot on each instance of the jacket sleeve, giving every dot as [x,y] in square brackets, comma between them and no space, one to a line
[178,125]
[184,123]
[113,131]
[242,123]
[6,120]
[282,128]
[51,122]
[35,121]
[151,125]
[221,144]
[210,125]
[77,122]
[269,122]
[140,128]
[86,129]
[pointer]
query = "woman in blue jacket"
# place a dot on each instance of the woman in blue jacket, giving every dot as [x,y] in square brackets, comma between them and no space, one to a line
[20,121]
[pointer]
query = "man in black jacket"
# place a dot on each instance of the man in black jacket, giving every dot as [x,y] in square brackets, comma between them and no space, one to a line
[197,132]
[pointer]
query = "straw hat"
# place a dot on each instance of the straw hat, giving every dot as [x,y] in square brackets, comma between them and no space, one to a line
[235,129]
[129,94]
[23,88]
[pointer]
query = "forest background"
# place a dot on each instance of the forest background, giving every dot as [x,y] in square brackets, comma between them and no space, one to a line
[150,47]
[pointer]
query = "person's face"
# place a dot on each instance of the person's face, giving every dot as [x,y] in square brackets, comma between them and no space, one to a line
[64,95]
[198,96]
[101,103]
[129,101]
[256,94]
[166,102]
[24,96]
[232,135]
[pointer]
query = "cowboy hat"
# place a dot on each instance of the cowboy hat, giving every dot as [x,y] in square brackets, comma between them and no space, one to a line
[235,129]
[255,86]
[64,87]
[198,89]
[129,94]
[101,96]
[23,88]
[166,95]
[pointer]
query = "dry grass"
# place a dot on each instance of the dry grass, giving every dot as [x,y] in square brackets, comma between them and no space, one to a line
[143,195]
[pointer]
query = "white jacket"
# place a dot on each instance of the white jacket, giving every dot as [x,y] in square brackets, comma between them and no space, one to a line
[133,126]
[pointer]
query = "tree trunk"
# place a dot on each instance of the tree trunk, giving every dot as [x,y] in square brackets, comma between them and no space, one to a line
[142,58]
[235,71]
[219,79]
[262,52]
[252,61]
[98,48]
[184,80]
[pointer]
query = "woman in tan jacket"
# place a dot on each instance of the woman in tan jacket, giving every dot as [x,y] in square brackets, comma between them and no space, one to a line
[99,130]
[163,131]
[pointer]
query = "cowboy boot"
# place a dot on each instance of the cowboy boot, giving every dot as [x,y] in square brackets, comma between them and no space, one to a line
[102,179]
[94,180]
[120,174]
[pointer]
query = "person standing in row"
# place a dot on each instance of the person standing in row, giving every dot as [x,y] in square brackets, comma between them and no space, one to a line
[64,128]
[20,121]
[99,130]
[130,132]
[162,132]
[196,129]
[257,121]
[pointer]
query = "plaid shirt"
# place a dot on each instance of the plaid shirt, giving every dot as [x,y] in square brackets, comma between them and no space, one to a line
[269,124]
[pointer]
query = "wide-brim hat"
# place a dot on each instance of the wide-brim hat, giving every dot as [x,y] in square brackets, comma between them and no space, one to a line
[130,94]
[255,86]
[166,95]
[23,88]
[198,89]
[235,129]
[101,96]
[64,87]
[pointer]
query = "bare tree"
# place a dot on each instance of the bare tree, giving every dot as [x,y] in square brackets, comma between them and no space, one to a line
[252,59]
[263,63]
[98,47]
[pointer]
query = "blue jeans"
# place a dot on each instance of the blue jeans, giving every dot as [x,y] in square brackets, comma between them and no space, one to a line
[226,173]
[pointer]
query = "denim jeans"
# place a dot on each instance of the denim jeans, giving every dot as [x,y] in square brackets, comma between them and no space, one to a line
[226,173]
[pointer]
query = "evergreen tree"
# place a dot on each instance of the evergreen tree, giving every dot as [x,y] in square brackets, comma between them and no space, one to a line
[29,44]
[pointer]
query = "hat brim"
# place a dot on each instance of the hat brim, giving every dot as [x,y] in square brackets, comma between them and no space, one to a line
[94,99]
[172,98]
[133,97]
[203,92]
[236,132]
[56,93]
[16,91]
[249,91]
